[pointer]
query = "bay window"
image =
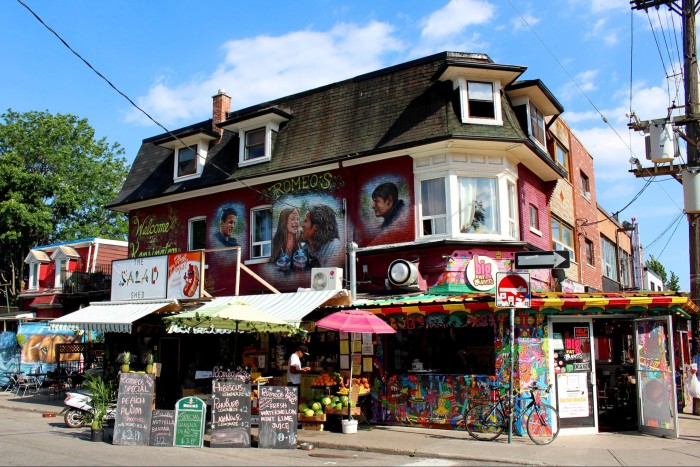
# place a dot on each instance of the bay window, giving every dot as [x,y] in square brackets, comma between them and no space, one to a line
[471,197]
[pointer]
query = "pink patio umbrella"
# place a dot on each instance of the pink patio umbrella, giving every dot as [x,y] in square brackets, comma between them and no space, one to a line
[355,321]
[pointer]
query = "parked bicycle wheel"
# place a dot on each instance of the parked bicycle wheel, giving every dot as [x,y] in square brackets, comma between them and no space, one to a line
[543,424]
[484,422]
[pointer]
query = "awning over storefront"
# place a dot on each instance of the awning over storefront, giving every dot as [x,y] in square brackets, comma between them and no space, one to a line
[541,302]
[111,316]
[289,307]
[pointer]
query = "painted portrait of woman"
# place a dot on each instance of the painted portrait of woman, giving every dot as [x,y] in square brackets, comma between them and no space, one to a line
[286,240]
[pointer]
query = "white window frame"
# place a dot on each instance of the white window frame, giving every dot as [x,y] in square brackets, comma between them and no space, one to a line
[190,232]
[264,244]
[34,273]
[60,262]
[608,258]
[462,84]
[243,128]
[534,228]
[462,166]
[200,158]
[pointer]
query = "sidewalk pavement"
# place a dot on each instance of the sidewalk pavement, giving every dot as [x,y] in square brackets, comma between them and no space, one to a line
[626,448]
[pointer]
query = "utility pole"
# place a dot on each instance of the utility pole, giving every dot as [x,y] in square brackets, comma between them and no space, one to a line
[687,10]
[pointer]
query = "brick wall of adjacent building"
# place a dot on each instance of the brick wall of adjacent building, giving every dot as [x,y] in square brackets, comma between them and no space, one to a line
[586,213]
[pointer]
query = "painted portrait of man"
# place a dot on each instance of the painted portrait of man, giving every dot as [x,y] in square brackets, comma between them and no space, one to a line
[224,237]
[386,203]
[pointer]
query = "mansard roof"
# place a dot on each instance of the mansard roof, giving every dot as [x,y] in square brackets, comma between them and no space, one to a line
[389,110]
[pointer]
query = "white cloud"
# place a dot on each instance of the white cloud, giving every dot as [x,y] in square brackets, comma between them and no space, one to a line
[521,23]
[454,17]
[266,67]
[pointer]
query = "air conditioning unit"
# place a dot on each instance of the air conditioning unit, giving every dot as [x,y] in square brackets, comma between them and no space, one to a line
[326,278]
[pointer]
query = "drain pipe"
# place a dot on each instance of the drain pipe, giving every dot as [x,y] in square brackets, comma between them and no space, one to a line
[352,269]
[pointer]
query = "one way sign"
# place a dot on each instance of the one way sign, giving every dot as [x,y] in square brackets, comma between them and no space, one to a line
[542,260]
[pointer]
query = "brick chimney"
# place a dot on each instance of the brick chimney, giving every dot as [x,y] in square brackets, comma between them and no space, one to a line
[222,105]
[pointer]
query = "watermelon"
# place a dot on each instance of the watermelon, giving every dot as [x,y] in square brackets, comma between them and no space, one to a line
[316,406]
[309,413]
[326,401]
[339,406]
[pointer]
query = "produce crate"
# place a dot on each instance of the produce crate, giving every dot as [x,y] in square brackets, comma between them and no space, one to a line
[314,418]
[312,426]
[355,411]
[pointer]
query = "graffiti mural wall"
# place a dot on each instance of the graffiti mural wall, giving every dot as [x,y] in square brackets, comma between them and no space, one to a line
[38,344]
[440,400]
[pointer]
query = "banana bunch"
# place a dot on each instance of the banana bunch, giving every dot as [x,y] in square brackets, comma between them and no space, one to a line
[343,392]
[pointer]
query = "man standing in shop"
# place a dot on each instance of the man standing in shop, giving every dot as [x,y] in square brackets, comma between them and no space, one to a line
[295,370]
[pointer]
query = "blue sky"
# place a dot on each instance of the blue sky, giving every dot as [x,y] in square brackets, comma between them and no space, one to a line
[599,58]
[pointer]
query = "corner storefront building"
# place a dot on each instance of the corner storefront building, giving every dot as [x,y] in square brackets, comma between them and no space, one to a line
[602,353]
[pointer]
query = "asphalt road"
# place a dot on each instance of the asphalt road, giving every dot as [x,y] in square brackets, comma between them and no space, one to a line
[27,438]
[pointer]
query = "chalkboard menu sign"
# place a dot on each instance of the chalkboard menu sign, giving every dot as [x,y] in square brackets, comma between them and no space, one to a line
[162,428]
[278,417]
[230,413]
[132,424]
[189,422]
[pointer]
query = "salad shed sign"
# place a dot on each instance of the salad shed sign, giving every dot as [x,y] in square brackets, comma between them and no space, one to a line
[175,276]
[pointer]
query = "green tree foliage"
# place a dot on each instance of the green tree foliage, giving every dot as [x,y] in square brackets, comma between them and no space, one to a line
[55,179]
[656,267]
[673,283]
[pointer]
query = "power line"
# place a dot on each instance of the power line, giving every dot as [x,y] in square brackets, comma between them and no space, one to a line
[89,65]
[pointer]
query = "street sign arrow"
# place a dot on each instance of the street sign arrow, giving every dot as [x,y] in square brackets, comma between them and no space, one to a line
[542,259]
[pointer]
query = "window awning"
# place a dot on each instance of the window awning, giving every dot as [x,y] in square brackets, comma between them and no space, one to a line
[111,316]
[289,307]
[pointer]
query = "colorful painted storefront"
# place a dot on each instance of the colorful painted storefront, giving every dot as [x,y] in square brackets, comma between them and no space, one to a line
[555,343]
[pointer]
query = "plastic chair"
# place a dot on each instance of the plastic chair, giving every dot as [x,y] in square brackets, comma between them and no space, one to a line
[27,383]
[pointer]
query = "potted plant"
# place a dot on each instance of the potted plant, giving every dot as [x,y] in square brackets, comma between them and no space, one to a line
[149,364]
[125,360]
[102,394]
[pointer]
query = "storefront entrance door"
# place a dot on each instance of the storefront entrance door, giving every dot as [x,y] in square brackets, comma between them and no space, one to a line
[574,388]
[656,387]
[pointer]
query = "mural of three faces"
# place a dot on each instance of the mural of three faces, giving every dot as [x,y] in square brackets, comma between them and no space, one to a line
[310,230]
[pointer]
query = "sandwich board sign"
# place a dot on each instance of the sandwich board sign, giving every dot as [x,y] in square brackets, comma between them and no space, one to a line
[512,290]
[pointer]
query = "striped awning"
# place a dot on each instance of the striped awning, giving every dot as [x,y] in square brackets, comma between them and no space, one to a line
[111,316]
[540,302]
[289,307]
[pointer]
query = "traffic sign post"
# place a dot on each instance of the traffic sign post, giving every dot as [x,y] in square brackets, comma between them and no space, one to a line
[542,259]
[512,291]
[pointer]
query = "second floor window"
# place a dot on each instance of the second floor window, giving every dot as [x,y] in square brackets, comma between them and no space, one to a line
[434,207]
[255,143]
[534,218]
[261,233]
[590,253]
[562,237]
[478,205]
[608,258]
[61,272]
[197,234]
[186,161]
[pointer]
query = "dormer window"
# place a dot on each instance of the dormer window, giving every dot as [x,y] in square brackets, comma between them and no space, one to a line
[34,260]
[186,161]
[62,257]
[481,102]
[257,132]
[254,144]
[189,148]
